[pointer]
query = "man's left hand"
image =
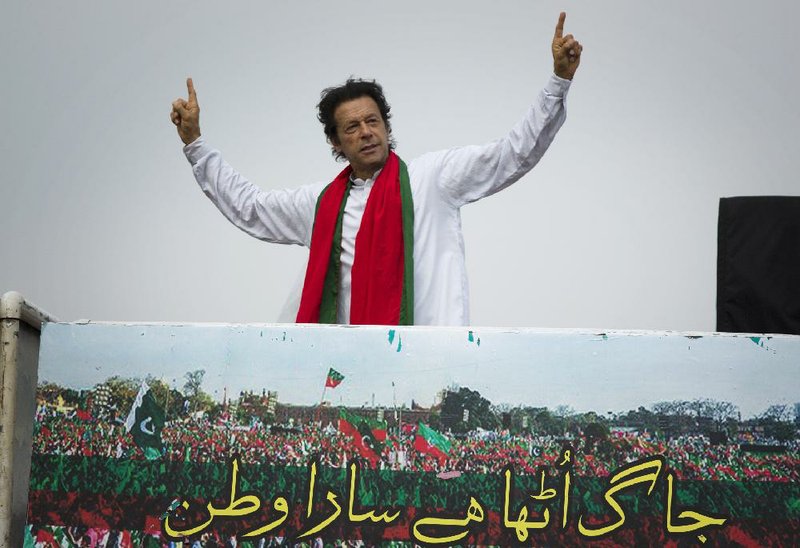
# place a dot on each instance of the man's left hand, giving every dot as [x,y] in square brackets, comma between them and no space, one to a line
[566,51]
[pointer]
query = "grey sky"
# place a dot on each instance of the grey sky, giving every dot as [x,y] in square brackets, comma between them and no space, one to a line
[675,105]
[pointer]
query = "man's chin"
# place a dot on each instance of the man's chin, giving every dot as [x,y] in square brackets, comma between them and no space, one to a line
[374,163]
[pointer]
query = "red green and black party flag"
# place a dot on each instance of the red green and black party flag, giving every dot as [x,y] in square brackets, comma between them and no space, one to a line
[432,442]
[368,435]
[334,378]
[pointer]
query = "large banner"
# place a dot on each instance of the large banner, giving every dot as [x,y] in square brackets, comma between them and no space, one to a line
[223,435]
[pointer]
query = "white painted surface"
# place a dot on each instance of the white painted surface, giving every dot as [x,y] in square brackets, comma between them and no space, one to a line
[20,324]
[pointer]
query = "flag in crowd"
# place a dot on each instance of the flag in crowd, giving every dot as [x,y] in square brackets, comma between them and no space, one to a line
[334,378]
[145,421]
[367,434]
[432,442]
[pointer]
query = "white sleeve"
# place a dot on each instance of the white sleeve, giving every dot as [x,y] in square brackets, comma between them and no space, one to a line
[279,216]
[474,172]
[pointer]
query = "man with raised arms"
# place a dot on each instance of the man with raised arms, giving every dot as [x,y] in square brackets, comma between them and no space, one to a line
[385,237]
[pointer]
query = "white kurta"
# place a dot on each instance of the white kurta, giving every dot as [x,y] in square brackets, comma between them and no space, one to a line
[441,182]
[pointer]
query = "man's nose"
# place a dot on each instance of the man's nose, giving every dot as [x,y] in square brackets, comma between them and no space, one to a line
[364,130]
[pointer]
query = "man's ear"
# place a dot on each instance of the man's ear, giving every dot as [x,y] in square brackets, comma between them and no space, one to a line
[334,142]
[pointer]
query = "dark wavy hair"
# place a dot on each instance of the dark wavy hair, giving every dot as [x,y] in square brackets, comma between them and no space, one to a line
[353,88]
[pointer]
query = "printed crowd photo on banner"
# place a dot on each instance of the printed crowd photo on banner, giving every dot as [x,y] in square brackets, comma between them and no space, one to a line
[160,435]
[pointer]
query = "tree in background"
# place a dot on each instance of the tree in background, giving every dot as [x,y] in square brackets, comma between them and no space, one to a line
[702,415]
[192,387]
[778,422]
[462,404]
[594,432]
[169,399]
[123,392]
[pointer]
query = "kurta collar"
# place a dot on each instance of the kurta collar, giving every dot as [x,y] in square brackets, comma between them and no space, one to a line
[365,182]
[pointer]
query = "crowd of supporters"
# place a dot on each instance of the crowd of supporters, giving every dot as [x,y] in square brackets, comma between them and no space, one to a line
[199,440]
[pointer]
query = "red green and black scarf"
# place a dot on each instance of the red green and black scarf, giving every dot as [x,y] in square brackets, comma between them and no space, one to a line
[382,287]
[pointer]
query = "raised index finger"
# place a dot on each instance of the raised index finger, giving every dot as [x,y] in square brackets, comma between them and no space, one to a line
[190,87]
[560,25]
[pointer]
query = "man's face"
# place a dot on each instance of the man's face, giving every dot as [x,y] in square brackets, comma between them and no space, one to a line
[361,135]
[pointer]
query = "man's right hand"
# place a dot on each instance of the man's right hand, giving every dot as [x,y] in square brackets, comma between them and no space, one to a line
[186,115]
[566,51]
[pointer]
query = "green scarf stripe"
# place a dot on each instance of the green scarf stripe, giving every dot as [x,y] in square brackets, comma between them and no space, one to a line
[316,208]
[771,501]
[329,305]
[407,204]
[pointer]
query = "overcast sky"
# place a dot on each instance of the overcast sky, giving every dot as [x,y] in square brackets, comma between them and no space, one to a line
[675,105]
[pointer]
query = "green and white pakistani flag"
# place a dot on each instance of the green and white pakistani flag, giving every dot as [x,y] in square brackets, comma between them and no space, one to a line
[145,422]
